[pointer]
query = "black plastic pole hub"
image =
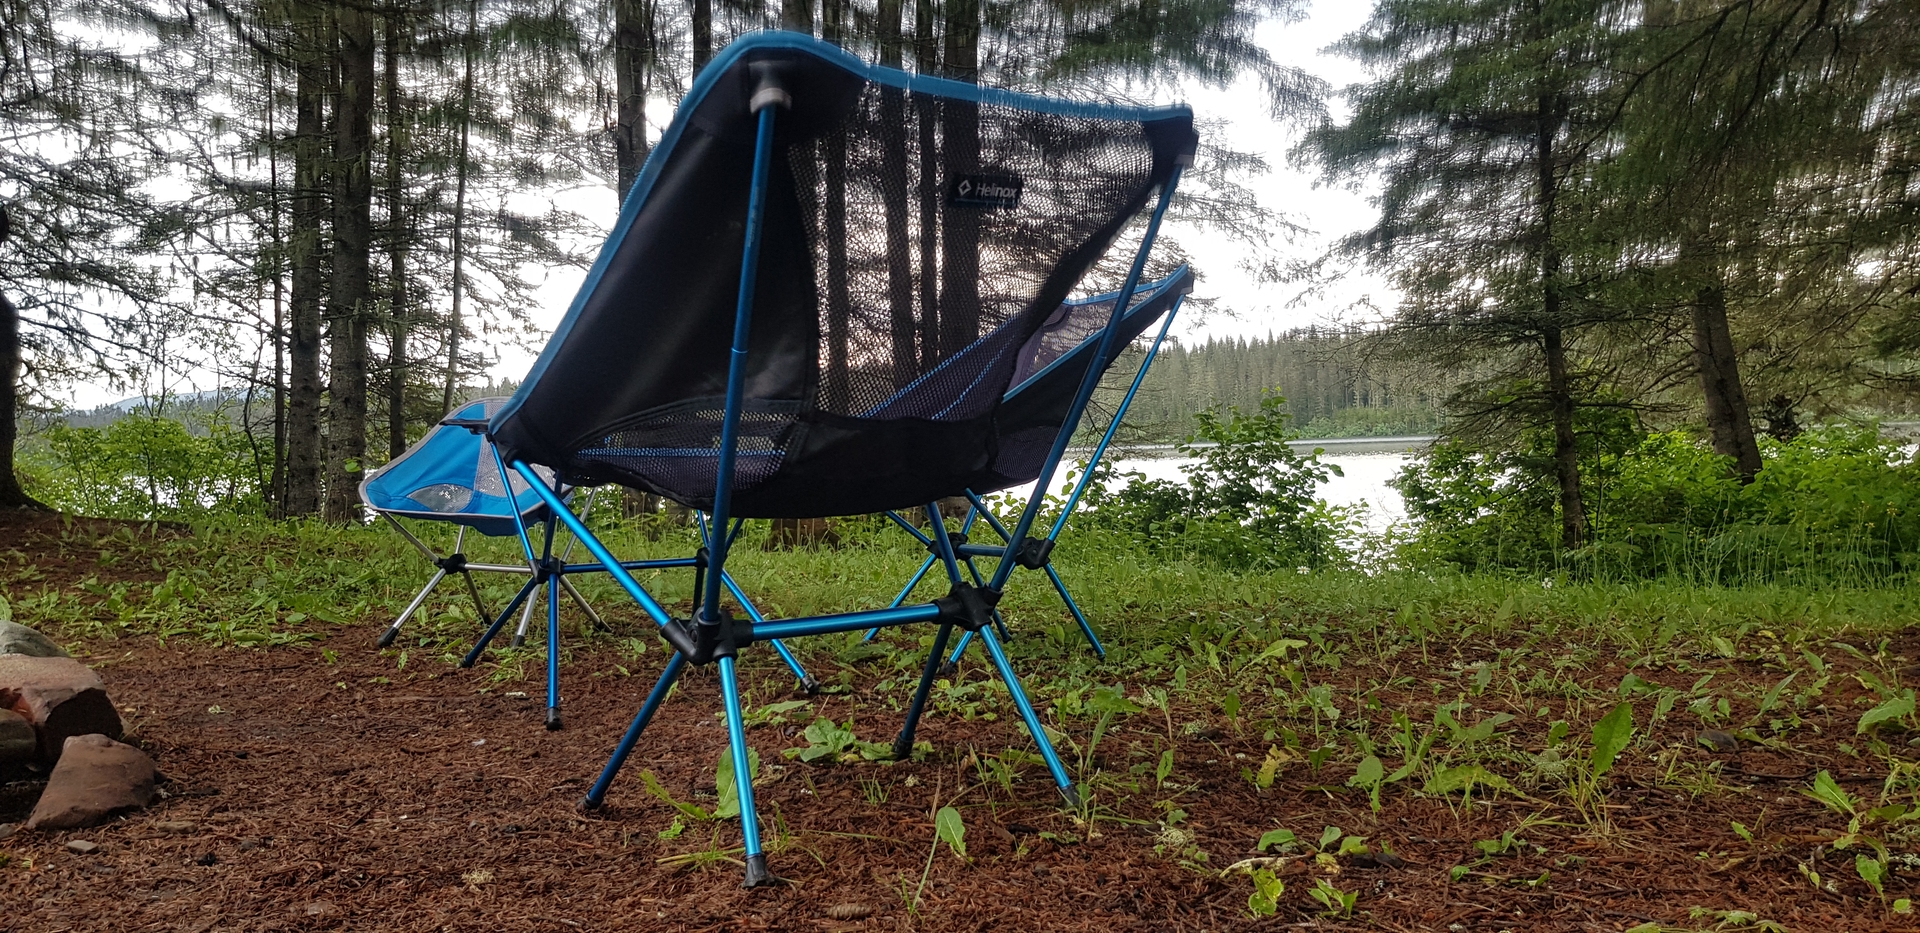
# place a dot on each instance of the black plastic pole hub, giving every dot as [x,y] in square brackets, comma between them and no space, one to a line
[1033,553]
[967,606]
[704,642]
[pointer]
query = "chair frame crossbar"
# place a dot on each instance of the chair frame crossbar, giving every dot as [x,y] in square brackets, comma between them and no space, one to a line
[713,636]
[1034,555]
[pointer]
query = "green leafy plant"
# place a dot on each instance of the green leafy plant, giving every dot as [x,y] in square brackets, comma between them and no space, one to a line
[830,741]
[1338,903]
[1267,888]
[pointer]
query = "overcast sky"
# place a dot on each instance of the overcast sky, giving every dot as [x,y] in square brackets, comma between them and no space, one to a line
[1242,306]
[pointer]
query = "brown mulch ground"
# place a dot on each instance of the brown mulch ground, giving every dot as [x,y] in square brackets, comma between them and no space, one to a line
[351,795]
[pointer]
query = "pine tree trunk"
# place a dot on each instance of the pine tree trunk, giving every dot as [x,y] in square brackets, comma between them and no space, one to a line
[276,491]
[839,389]
[893,183]
[797,15]
[632,59]
[350,296]
[306,272]
[1566,445]
[1560,404]
[460,168]
[397,234]
[960,155]
[927,59]
[702,34]
[1728,418]
[12,496]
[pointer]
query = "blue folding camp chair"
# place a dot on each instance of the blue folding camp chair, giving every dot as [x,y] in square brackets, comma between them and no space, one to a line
[454,475]
[1051,366]
[813,303]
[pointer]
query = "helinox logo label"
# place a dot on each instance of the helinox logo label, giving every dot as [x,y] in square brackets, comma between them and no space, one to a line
[984,191]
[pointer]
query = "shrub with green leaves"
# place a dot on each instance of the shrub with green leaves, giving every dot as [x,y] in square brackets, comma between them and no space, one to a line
[1836,505]
[1248,503]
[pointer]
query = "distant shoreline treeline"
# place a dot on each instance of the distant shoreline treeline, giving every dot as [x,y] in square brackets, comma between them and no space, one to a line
[1332,390]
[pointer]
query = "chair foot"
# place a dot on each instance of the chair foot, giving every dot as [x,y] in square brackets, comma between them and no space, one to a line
[758,875]
[949,668]
[519,641]
[387,637]
[810,686]
[466,662]
[902,748]
[553,720]
[587,804]
[1071,796]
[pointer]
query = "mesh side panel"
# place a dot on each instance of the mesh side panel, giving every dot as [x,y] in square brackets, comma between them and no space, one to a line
[908,280]
[679,451]
[1068,327]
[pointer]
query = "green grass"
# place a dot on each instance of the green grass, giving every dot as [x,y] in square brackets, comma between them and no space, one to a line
[251,581]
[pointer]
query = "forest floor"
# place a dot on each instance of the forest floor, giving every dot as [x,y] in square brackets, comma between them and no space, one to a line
[320,784]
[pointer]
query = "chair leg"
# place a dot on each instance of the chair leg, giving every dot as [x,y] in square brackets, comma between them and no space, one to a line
[925,567]
[499,623]
[593,618]
[952,664]
[526,624]
[597,795]
[1032,719]
[553,653]
[473,590]
[903,745]
[393,631]
[757,873]
[807,682]
[1086,628]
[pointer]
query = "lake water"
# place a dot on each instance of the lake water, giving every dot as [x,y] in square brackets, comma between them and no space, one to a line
[1366,464]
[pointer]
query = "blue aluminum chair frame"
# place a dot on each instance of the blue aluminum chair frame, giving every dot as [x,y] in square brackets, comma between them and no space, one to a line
[1034,554]
[460,501]
[713,636]
[548,570]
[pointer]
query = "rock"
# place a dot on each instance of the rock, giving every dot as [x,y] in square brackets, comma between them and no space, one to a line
[60,696]
[83,847]
[18,742]
[95,779]
[19,639]
[1718,741]
[7,830]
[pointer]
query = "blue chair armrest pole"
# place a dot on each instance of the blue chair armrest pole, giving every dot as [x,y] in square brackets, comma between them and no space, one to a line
[1113,426]
[1087,384]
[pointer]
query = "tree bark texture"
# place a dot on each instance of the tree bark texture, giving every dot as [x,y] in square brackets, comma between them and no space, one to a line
[927,59]
[1560,403]
[893,183]
[839,389]
[460,168]
[797,15]
[960,155]
[307,269]
[1728,418]
[12,496]
[702,17]
[350,295]
[632,60]
[398,234]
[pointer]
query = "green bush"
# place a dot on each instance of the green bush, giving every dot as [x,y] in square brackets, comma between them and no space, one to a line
[144,466]
[1835,505]
[1247,504]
